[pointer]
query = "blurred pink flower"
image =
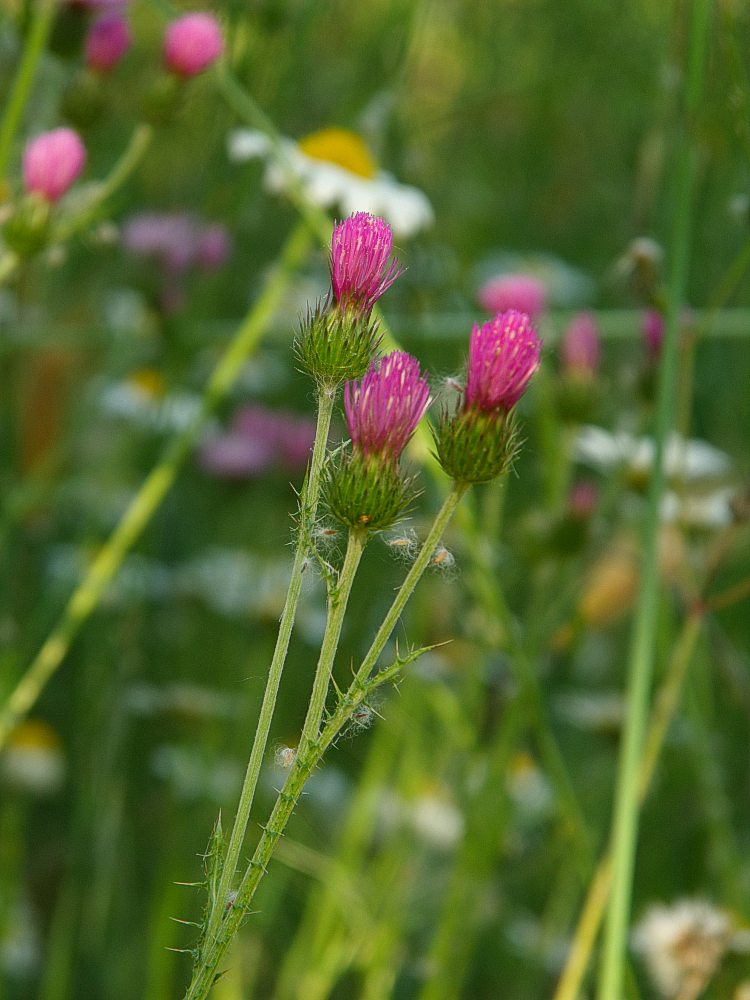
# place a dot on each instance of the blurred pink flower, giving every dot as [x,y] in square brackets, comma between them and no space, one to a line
[580,346]
[192,43]
[52,162]
[177,240]
[214,247]
[259,440]
[107,42]
[582,499]
[652,327]
[513,291]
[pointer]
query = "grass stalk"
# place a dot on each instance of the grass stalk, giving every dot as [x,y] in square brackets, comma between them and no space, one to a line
[87,595]
[42,19]
[641,658]
[665,706]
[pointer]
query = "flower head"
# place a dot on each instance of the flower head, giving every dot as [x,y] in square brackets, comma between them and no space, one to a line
[107,42]
[360,269]
[52,162]
[513,291]
[478,441]
[503,356]
[385,406]
[192,43]
[580,347]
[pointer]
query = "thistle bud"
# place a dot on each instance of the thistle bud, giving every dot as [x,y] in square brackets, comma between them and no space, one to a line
[339,339]
[580,347]
[479,441]
[578,389]
[365,488]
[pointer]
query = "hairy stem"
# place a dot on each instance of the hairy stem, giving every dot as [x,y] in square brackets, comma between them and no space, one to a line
[337,607]
[312,748]
[308,510]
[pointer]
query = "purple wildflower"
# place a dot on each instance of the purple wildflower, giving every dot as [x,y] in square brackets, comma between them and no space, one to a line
[360,270]
[178,240]
[52,162]
[503,356]
[579,347]
[385,406]
[259,440]
[513,291]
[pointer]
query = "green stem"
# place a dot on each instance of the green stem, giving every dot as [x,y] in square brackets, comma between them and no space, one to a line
[88,593]
[36,42]
[410,581]
[308,758]
[311,749]
[626,813]
[308,510]
[337,606]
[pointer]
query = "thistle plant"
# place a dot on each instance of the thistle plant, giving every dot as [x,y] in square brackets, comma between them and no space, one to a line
[365,488]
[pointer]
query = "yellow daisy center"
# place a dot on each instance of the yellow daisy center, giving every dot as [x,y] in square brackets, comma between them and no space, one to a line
[148,381]
[34,735]
[340,146]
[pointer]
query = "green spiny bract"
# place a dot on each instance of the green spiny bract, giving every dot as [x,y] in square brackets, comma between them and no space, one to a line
[365,492]
[475,446]
[336,344]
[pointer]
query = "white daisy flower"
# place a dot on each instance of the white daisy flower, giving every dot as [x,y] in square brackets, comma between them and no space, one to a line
[683,945]
[687,460]
[335,169]
[700,510]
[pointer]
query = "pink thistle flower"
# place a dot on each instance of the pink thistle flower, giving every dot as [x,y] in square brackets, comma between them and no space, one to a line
[192,43]
[580,346]
[385,406]
[513,291]
[360,270]
[107,42]
[52,162]
[503,356]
